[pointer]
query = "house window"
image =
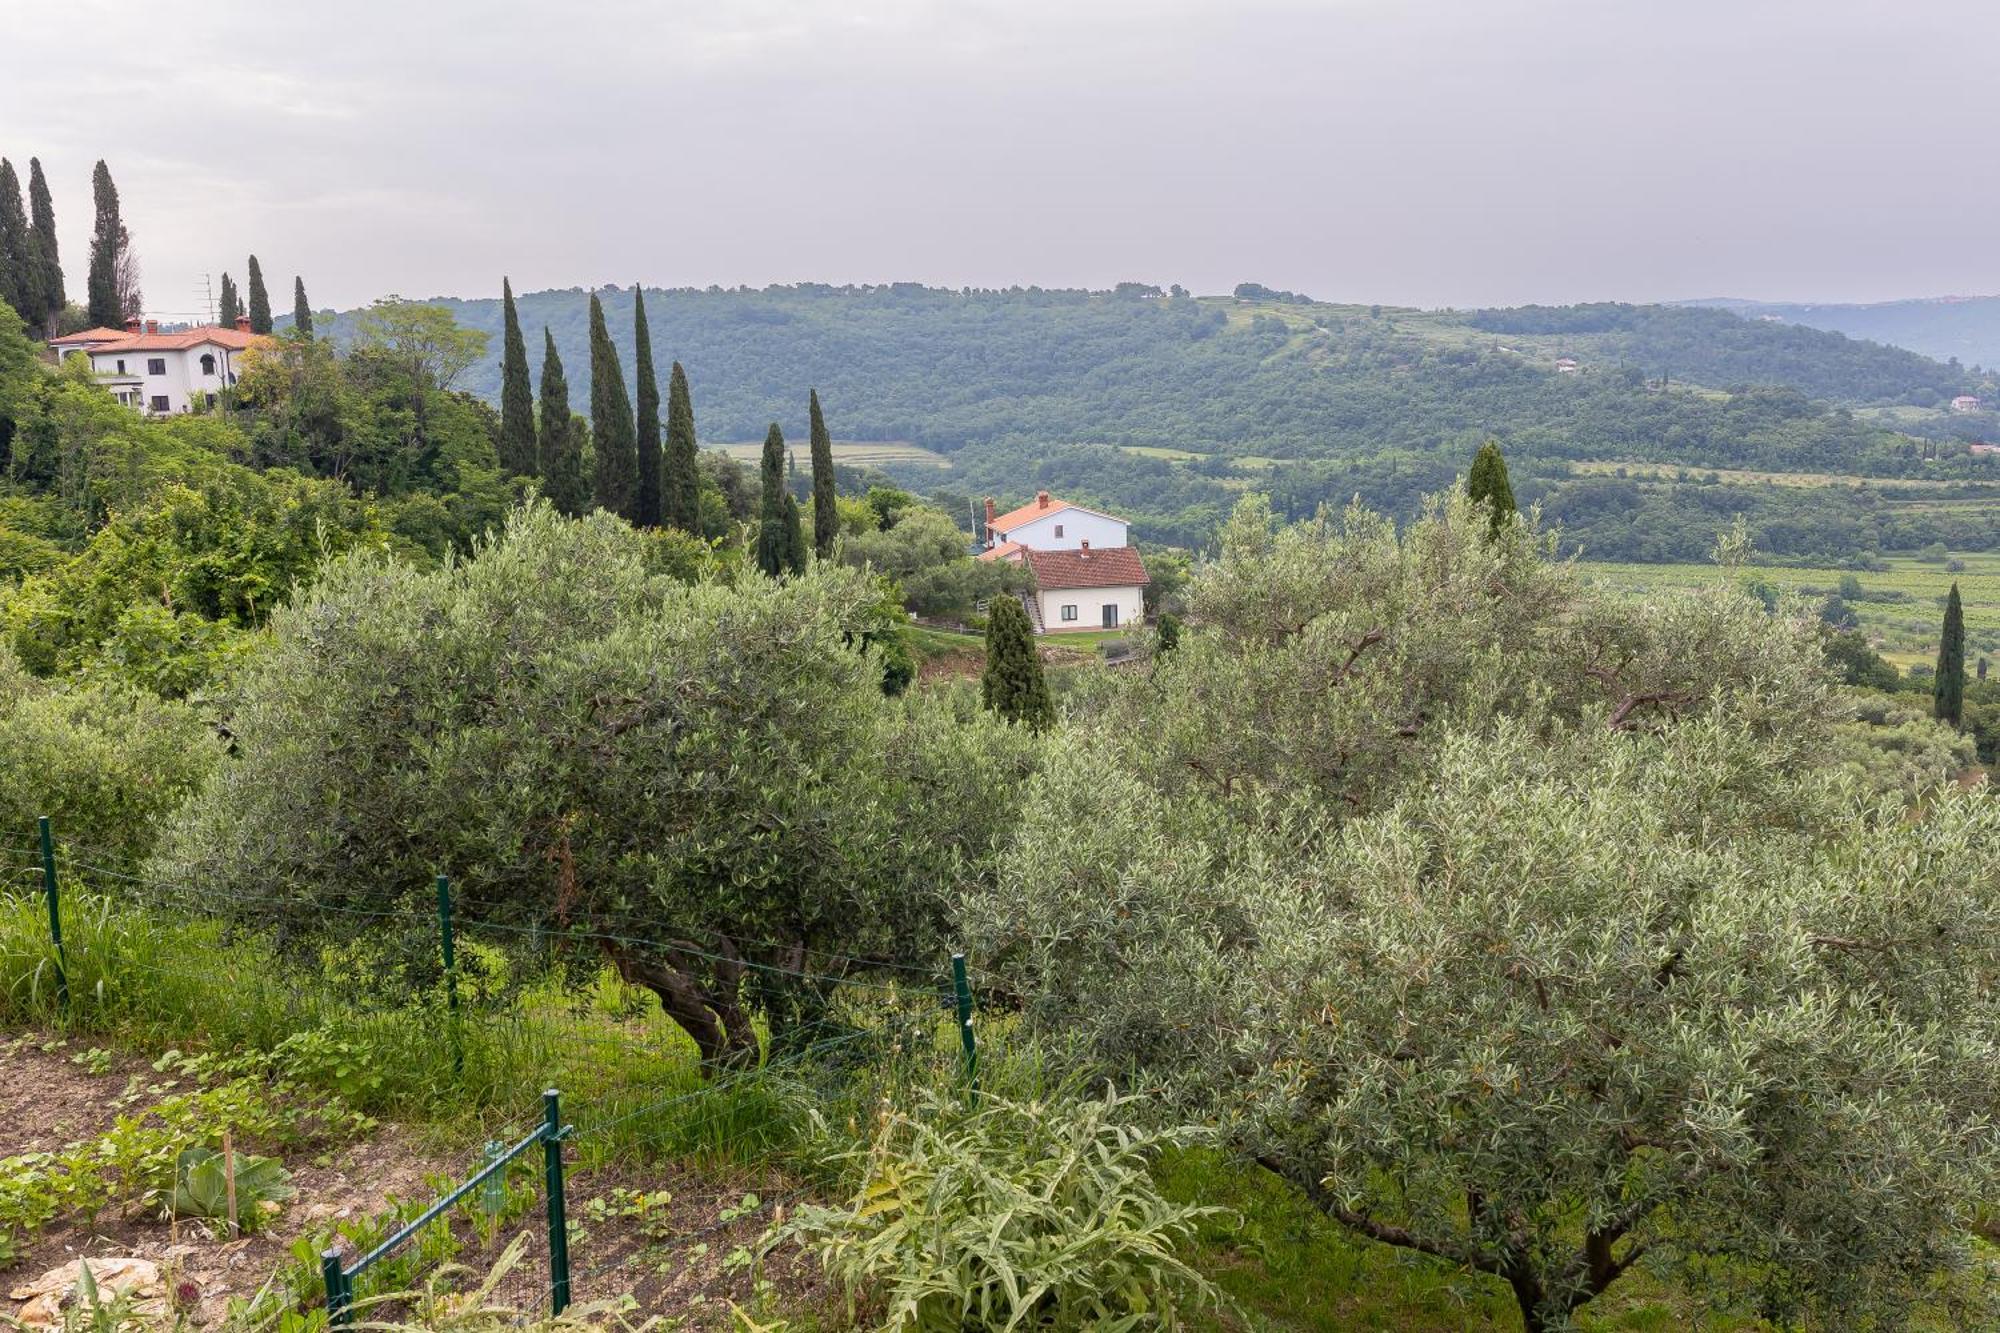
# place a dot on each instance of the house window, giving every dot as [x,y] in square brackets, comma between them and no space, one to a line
[211,401]
[208,363]
[1058,529]
[1069,612]
[1111,615]
[156,365]
[121,365]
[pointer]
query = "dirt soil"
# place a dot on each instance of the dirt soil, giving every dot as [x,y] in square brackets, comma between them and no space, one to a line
[675,1260]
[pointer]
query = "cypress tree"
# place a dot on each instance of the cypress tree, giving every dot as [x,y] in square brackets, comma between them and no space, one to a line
[796,549]
[559,451]
[1012,684]
[1489,482]
[302,311]
[20,276]
[611,431]
[107,239]
[648,510]
[826,514]
[42,231]
[1948,688]
[260,300]
[517,398]
[774,542]
[229,306]
[680,478]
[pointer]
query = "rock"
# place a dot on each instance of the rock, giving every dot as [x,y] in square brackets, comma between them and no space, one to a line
[47,1294]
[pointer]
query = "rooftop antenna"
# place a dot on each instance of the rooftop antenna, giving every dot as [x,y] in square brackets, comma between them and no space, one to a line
[208,297]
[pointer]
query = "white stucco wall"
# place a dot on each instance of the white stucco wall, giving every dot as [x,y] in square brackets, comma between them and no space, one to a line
[182,380]
[1077,527]
[1089,604]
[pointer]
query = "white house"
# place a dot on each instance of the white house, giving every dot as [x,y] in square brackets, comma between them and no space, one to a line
[1087,575]
[162,373]
[1048,524]
[1965,402]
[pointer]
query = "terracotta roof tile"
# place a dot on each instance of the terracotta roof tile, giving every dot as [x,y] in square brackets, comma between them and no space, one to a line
[97,335]
[234,339]
[1099,567]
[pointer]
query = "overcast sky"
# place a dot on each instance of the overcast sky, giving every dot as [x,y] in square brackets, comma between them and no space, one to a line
[1424,152]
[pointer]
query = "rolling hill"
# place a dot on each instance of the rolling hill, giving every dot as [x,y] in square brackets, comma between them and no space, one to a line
[1944,327]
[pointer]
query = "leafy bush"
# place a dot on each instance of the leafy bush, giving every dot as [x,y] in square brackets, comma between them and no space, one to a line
[1038,1215]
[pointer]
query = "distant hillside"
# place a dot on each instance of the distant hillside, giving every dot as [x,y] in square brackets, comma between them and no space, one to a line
[1169,407]
[1943,327]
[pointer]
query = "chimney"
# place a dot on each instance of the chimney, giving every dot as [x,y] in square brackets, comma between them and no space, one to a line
[132,324]
[990,516]
[1086,550]
[243,323]
[1041,499]
[152,327]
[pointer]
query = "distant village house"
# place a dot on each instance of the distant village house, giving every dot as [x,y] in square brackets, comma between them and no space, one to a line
[1087,574]
[158,373]
[1965,402]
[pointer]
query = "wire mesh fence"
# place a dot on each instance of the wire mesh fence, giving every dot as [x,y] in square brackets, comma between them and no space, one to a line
[476,1017]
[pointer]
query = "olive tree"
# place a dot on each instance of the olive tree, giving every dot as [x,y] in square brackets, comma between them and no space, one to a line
[697,778]
[1519,928]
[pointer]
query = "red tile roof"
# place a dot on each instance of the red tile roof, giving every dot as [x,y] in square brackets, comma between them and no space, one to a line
[235,339]
[1099,567]
[1008,550]
[98,335]
[1029,512]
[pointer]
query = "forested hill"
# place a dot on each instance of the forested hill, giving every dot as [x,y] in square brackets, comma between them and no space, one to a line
[1962,328]
[1168,407]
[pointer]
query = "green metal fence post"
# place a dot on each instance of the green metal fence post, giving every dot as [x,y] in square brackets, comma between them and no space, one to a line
[552,1173]
[339,1297]
[55,909]
[450,973]
[965,1037]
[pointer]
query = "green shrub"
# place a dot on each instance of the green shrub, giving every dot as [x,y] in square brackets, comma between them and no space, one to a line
[1041,1215]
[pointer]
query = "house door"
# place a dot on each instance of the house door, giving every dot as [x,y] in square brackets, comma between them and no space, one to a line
[1111,615]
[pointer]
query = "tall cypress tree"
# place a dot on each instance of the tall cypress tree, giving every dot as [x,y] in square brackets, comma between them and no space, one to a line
[1488,481]
[228,305]
[20,275]
[1012,684]
[774,542]
[611,431]
[1948,688]
[826,513]
[42,231]
[680,476]
[559,453]
[796,548]
[648,510]
[517,397]
[260,300]
[302,311]
[107,239]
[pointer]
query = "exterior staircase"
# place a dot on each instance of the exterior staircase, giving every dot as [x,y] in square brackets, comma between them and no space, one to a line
[1033,606]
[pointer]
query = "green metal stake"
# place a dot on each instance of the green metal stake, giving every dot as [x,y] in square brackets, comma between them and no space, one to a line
[450,973]
[338,1296]
[55,909]
[965,1037]
[552,1181]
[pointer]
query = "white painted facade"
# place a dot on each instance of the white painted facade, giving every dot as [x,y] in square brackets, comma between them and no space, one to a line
[1087,608]
[163,381]
[1067,529]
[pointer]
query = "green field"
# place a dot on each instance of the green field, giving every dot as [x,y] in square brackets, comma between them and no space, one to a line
[1900,609]
[1745,477]
[857,453]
